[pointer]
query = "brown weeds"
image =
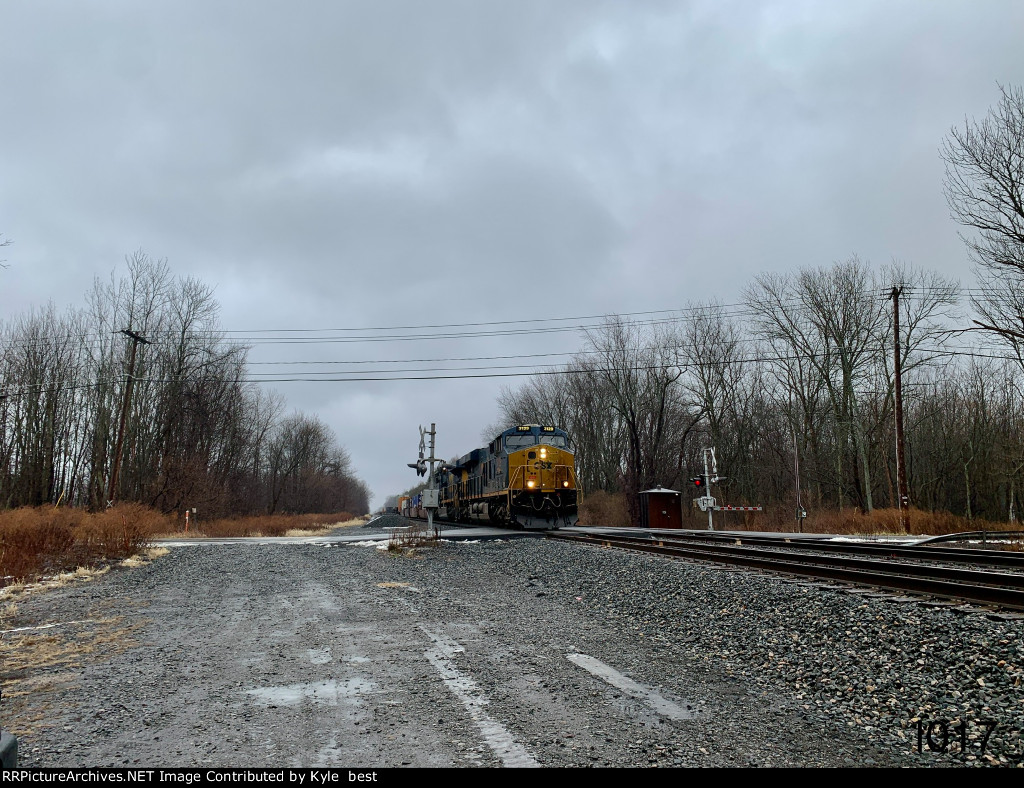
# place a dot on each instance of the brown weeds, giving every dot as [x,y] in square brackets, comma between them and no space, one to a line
[264,525]
[853,522]
[609,510]
[45,540]
[603,508]
[39,664]
[408,540]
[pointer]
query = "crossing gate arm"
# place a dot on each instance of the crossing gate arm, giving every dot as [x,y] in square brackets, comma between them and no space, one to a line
[738,508]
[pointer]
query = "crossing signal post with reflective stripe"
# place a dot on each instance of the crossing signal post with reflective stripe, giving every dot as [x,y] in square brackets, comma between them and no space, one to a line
[707,502]
[429,496]
[710,475]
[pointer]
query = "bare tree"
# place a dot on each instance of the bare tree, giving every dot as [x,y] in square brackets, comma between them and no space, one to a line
[640,369]
[832,318]
[196,434]
[814,367]
[984,188]
[718,380]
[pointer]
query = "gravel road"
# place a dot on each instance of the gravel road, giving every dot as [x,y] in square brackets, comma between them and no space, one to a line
[517,653]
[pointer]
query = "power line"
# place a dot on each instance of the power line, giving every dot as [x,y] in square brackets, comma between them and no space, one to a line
[543,370]
[257,336]
[250,338]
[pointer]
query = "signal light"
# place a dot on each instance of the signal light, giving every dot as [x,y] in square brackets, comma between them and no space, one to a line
[697,481]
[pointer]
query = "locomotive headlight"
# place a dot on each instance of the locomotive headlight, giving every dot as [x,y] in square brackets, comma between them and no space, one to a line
[543,453]
[530,483]
[565,484]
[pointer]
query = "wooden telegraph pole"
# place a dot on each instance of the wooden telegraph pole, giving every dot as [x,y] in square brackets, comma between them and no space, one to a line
[901,466]
[137,339]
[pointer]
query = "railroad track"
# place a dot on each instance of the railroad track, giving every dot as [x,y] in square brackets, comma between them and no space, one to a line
[924,570]
[956,555]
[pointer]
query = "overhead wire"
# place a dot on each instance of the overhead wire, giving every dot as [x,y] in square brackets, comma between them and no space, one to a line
[252,338]
[348,334]
[543,370]
[258,336]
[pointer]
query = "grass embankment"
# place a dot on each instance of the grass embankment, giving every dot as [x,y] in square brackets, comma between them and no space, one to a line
[887,521]
[42,541]
[604,509]
[265,525]
[853,522]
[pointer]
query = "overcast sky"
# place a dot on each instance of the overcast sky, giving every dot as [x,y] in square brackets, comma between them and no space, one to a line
[343,164]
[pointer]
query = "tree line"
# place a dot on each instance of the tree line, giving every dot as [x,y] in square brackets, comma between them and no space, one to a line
[801,374]
[194,434]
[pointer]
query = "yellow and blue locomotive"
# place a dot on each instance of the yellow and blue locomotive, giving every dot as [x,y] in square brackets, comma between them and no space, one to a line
[524,478]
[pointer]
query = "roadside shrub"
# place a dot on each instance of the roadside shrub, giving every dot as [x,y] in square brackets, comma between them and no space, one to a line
[265,525]
[605,509]
[43,540]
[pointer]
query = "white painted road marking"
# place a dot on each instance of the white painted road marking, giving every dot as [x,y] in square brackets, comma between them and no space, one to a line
[651,698]
[466,690]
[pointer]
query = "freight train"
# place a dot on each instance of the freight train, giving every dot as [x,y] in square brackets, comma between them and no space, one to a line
[525,478]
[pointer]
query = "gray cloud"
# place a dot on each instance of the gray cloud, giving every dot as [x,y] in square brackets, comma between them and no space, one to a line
[382,163]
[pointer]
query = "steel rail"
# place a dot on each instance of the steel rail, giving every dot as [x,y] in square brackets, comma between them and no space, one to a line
[973,576]
[950,554]
[958,583]
[983,535]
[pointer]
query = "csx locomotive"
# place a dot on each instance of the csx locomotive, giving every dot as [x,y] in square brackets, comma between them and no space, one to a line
[524,478]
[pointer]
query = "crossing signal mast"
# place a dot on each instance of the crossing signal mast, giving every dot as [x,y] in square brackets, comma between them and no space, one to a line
[707,502]
[429,496]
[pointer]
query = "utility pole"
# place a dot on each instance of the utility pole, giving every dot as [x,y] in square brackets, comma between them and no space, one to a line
[136,339]
[901,466]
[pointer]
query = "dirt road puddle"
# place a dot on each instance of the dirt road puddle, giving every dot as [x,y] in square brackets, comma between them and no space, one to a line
[330,692]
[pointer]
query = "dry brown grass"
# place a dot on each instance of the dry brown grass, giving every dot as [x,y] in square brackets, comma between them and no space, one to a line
[145,557]
[45,541]
[887,521]
[853,522]
[409,541]
[265,525]
[609,510]
[39,664]
[605,509]
[319,530]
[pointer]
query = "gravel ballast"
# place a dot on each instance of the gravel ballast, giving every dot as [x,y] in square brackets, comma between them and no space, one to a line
[476,654]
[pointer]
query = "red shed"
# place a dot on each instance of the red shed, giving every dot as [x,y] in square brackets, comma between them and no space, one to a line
[661,508]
